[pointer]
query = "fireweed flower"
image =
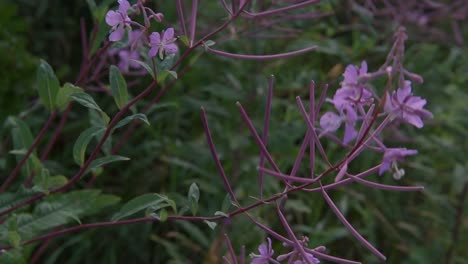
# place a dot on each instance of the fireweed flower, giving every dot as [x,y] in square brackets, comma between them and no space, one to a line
[118,20]
[390,158]
[404,105]
[350,96]
[162,46]
[352,74]
[130,52]
[294,255]
[266,254]
[126,58]
[330,122]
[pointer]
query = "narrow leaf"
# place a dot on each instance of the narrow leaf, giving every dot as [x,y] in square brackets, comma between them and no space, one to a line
[118,86]
[79,149]
[105,160]
[193,197]
[212,225]
[85,100]
[47,85]
[129,119]
[144,65]
[63,96]
[153,201]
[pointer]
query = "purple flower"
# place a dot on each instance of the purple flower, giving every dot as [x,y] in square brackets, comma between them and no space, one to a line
[406,106]
[392,155]
[266,253]
[162,46]
[311,259]
[330,122]
[350,96]
[118,20]
[125,60]
[352,74]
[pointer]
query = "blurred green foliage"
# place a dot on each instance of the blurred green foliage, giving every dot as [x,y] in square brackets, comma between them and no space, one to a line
[171,154]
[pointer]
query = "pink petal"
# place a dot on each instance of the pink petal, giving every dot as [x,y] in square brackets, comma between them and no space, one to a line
[153,51]
[170,48]
[363,69]
[350,133]
[263,249]
[168,35]
[124,5]
[402,93]
[330,122]
[413,120]
[350,74]
[113,18]
[155,38]
[416,102]
[384,167]
[388,107]
[117,34]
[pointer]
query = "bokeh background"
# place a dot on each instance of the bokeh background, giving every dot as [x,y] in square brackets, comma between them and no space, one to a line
[424,227]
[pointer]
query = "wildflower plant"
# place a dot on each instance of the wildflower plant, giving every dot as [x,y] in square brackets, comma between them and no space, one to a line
[360,115]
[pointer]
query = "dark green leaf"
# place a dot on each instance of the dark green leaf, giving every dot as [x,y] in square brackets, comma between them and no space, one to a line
[129,119]
[193,197]
[63,96]
[118,86]
[212,225]
[152,201]
[85,100]
[105,160]
[47,85]
[146,66]
[79,149]
[57,210]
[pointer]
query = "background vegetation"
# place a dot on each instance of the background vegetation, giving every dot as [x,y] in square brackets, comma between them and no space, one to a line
[426,227]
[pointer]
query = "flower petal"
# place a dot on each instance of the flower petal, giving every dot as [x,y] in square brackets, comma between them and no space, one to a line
[155,38]
[330,122]
[117,34]
[153,51]
[124,5]
[170,48]
[413,119]
[168,35]
[363,69]
[113,18]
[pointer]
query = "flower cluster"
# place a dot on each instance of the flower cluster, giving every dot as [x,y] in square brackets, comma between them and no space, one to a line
[119,21]
[295,257]
[351,100]
[348,100]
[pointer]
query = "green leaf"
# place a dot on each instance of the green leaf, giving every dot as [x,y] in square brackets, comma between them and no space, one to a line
[129,119]
[8,200]
[47,85]
[146,66]
[162,76]
[193,197]
[118,86]
[85,100]
[221,213]
[185,40]
[208,44]
[226,203]
[56,210]
[63,96]
[212,225]
[79,149]
[167,63]
[152,201]
[105,160]
[42,185]
[22,140]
